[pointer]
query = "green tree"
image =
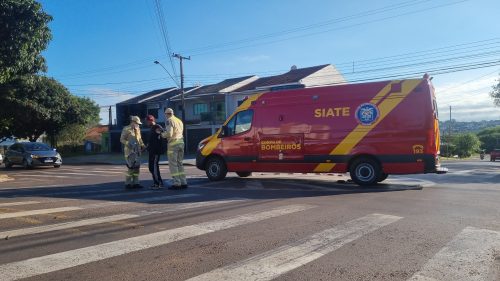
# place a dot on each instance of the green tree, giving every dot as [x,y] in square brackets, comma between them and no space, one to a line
[72,135]
[466,144]
[490,138]
[24,35]
[39,104]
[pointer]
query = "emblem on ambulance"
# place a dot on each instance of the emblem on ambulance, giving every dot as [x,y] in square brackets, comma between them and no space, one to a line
[367,114]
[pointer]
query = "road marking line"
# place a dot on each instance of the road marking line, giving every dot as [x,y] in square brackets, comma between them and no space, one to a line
[63,260]
[38,212]
[271,264]
[119,217]
[8,189]
[68,173]
[72,192]
[65,225]
[41,176]
[469,256]
[18,203]
[93,206]
[138,200]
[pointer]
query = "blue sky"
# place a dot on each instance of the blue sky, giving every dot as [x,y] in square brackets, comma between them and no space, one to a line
[105,49]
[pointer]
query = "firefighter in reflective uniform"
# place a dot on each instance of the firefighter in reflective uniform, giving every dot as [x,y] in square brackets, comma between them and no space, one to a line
[133,146]
[173,133]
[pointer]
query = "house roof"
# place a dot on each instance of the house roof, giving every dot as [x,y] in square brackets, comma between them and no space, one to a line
[95,134]
[292,76]
[214,88]
[171,94]
[219,87]
[147,97]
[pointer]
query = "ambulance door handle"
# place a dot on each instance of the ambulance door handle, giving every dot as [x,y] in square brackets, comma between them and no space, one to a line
[247,139]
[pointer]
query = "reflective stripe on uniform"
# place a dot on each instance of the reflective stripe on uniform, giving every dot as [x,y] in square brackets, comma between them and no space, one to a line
[178,174]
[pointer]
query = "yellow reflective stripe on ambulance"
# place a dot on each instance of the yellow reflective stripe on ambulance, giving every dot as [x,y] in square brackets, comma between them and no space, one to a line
[385,107]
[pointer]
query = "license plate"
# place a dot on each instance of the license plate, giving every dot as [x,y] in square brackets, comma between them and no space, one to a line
[49,161]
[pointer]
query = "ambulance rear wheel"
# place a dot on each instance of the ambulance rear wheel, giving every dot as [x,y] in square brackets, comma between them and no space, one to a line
[244,174]
[365,171]
[215,169]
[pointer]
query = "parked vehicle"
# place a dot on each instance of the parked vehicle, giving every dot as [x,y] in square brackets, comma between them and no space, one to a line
[370,130]
[1,159]
[495,154]
[30,154]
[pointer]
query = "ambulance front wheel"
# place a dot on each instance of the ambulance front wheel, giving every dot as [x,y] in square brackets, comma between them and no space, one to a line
[365,171]
[215,168]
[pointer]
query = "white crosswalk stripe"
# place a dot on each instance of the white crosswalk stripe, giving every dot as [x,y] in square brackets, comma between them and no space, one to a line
[63,260]
[38,212]
[113,218]
[271,264]
[469,256]
[93,206]
[20,203]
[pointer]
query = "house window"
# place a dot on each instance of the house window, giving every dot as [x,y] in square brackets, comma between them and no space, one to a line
[200,108]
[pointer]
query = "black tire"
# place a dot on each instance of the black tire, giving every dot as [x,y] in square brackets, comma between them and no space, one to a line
[365,171]
[57,166]
[244,174]
[215,168]
[7,164]
[383,177]
[26,165]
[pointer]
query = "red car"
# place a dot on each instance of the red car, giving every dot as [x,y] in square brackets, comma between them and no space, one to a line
[370,130]
[494,154]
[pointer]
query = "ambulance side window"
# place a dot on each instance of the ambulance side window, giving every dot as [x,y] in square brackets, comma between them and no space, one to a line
[240,123]
[243,121]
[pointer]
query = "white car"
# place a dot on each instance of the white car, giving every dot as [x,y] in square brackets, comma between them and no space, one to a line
[1,158]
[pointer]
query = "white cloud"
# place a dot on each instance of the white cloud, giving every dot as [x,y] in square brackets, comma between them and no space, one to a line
[470,101]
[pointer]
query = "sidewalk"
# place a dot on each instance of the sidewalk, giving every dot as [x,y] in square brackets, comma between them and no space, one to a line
[117,159]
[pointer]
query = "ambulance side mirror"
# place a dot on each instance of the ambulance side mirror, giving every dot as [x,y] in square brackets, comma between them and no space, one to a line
[224,131]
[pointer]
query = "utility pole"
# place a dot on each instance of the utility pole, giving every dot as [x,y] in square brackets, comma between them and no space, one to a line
[110,116]
[183,116]
[449,134]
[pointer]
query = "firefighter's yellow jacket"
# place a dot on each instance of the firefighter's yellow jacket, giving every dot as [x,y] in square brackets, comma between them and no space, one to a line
[131,139]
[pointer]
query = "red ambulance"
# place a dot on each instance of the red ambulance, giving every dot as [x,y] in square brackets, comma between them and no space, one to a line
[370,130]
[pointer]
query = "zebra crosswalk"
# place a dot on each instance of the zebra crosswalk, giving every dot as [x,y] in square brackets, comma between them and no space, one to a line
[471,254]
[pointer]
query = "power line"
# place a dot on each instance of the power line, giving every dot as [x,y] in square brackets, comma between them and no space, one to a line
[114,83]
[310,26]
[328,30]
[164,32]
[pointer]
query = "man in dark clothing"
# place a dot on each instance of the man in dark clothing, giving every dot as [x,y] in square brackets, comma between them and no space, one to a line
[155,149]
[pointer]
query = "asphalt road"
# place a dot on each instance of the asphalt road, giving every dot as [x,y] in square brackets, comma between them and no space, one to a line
[77,223]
